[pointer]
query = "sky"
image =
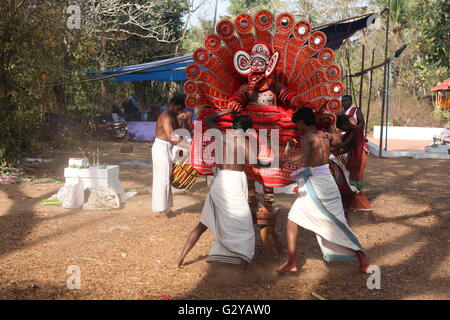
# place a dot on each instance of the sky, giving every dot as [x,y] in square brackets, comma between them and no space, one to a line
[207,11]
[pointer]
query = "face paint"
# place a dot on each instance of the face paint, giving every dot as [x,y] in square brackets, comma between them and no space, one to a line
[258,65]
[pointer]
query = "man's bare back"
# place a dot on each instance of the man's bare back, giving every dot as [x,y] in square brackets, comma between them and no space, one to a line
[239,146]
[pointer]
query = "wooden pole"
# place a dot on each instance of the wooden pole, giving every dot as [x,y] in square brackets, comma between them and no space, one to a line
[383,103]
[362,69]
[215,16]
[346,75]
[347,85]
[352,87]
[370,94]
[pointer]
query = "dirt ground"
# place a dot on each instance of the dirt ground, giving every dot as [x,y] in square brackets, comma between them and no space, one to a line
[129,253]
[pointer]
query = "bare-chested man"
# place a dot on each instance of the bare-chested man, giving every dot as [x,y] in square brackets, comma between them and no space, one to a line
[162,155]
[226,211]
[319,206]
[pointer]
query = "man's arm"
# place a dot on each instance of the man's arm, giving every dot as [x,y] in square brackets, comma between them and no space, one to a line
[166,124]
[346,144]
[334,137]
[360,116]
[238,99]
[212,118]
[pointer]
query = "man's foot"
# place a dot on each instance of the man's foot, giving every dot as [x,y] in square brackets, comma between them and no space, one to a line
[160,214]
[288,268]
[243,267]
[363,262]
[179,264]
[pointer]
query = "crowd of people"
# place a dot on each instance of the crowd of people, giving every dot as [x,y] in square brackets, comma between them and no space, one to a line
[329,184]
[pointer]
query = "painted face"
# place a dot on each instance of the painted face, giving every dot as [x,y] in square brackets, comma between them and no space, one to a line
[258,65]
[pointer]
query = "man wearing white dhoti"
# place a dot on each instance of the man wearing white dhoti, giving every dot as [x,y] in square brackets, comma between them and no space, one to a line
[319,205]
[167,122]
[226,212]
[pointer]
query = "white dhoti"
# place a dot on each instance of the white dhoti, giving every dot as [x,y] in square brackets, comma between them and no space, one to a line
[319,208]
[162,168]
[227,215]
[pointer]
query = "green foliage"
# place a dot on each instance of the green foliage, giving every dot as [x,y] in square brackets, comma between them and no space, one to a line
[195,37]
[251,6]
[30,54]
[430,19]
[444,116]
[423,25]
[37,49]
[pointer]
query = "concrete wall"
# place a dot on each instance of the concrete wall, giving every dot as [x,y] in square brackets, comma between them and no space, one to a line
[142,131]
[408,133]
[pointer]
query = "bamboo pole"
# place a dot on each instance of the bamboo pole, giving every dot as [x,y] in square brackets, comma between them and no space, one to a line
[346,84]
[215,15]
[352,87]
[362,68]
[383,103]
[358,74]
[370,95]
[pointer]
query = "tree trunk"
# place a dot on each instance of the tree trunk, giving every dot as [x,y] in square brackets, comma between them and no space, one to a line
[103,60]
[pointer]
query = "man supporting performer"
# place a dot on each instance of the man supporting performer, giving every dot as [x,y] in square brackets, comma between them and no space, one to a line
[319,206]
[226,211]
[355,164]
[167,122]
[354,113]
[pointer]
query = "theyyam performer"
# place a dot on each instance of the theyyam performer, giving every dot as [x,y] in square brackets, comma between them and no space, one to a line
[268,77]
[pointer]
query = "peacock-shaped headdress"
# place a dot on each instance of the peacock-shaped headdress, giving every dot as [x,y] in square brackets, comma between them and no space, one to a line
[292,54]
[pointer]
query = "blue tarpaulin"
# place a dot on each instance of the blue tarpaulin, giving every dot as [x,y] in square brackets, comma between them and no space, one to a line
[173,69]
[162,70]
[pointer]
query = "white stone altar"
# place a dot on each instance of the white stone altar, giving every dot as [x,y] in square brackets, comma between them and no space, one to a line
[95,177]
[442,148]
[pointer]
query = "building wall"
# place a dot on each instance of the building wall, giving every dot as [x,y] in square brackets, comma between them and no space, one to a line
[408,133]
